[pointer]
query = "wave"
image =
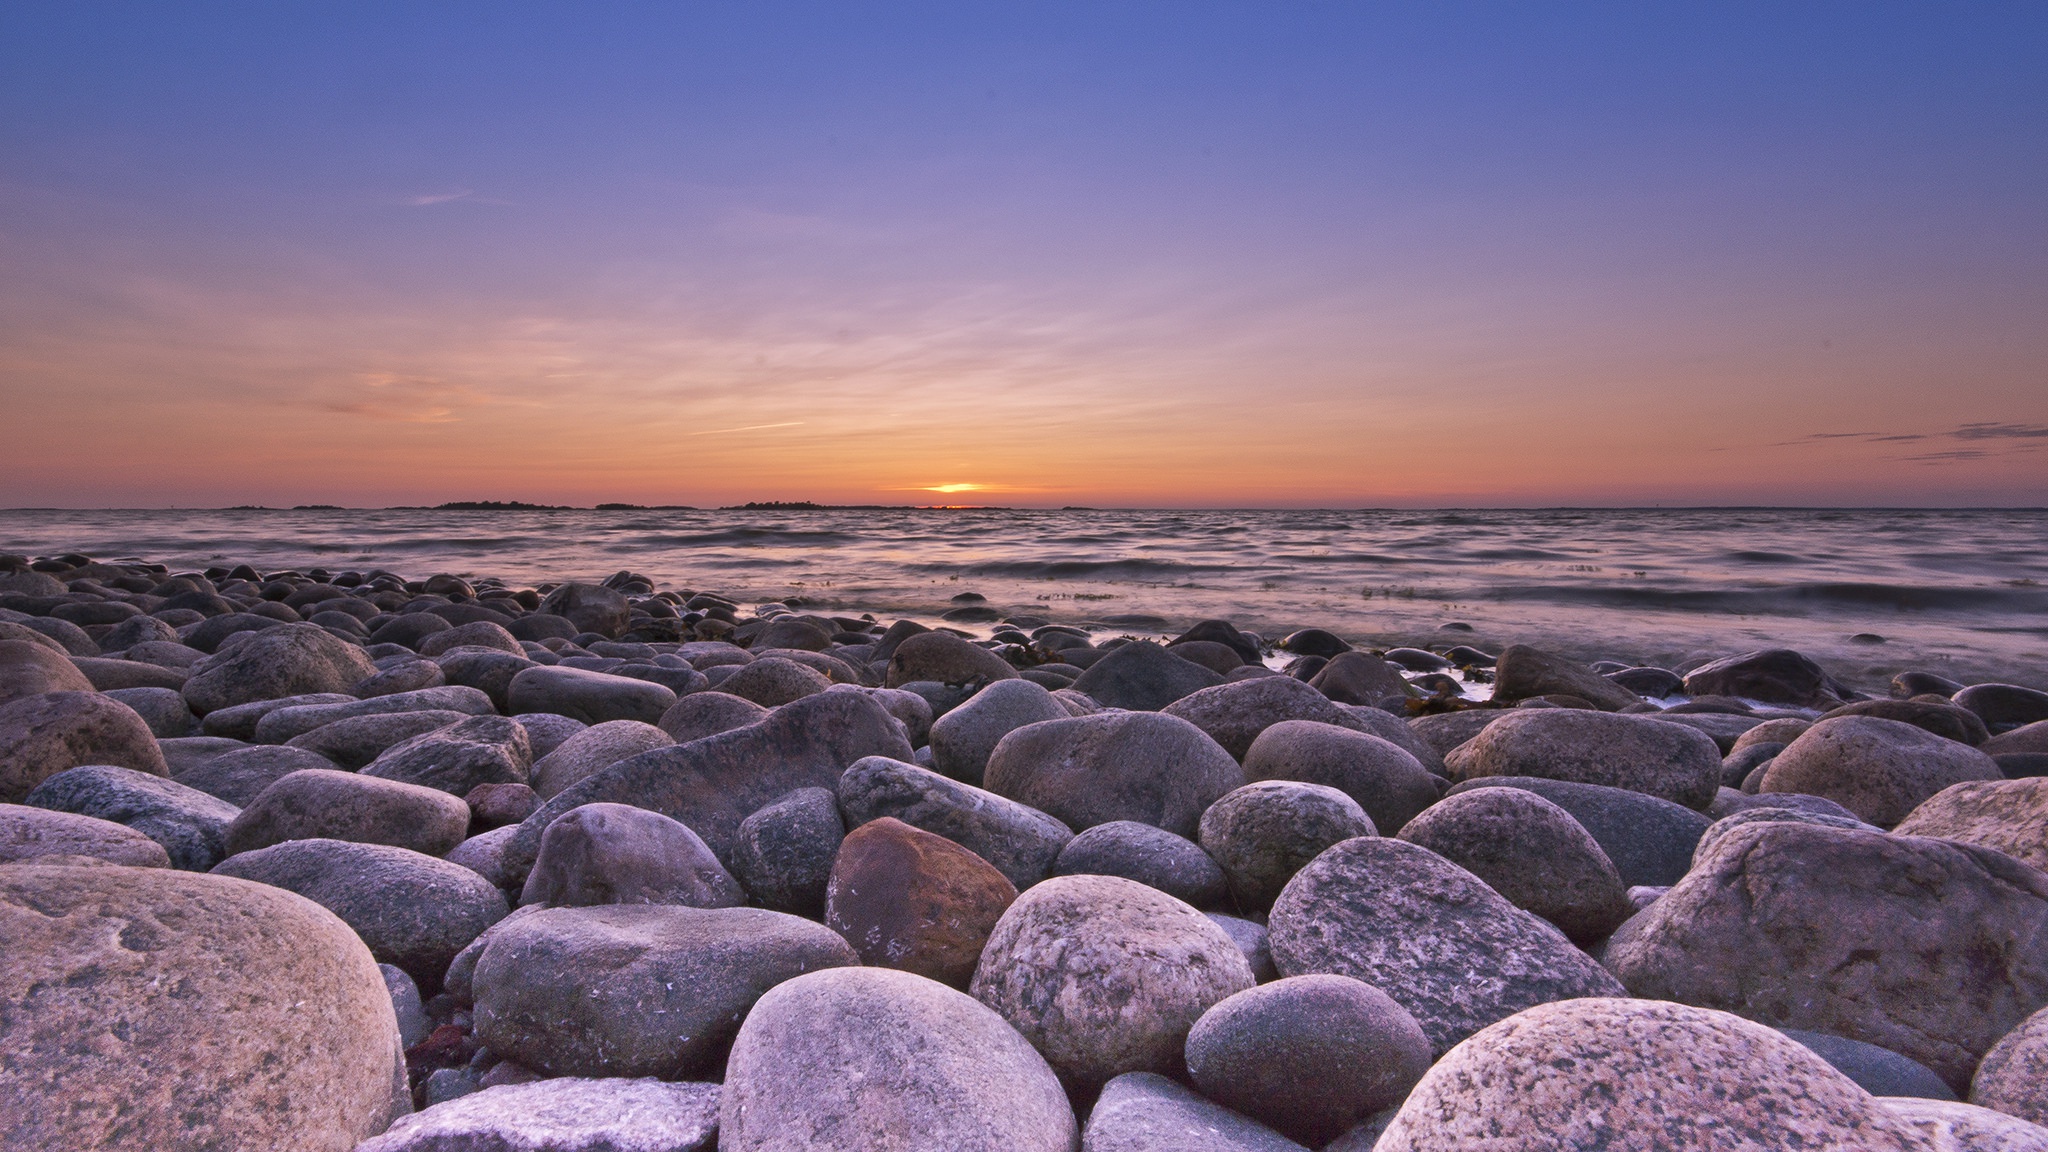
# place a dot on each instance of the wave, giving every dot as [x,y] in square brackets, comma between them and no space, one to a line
[1788,598]
[1126,569]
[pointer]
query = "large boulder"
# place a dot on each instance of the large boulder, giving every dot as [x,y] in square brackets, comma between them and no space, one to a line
[1152,856]
[1650,841]
[1260,835]
[2013,1077]
[1606,1073]
[773,681]
[1772,676]
[1089,770]
[619,854]
[1879,769]
[2009,815]
[1146,1112]
[783,853]
[592,697]
[635,989]
[355,743]
[1530,851]
[1105,976]
[1665,760]
[1928,948]
[240,775]
[905,898]
[1234,714]
[590,607]
[963,738]
[564,1114]
[714,783]
[30,669]
[943,658]
[288,660]
[458,758]
[191,825]
[874,1060]
[320,803]
[592,750]
[1878,1071]
[414,911]
[43,735]
[1385,779]
[147,1008]
[1359,678]
[2003,707]
[1959,724]
[1522,672]
[1020,841]
[1446,947]
[28,834]
[1142,676]
[1311,1056]
[702,714]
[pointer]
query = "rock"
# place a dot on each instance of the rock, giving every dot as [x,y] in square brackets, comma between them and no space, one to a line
[963,738]
[1312,642]
[1605,1073]
[184,753]
[1720,727]
[636,989]
[1878,1071]
[355,743]
[484,854]
[913,710]
[30,669]
[409,629]
[1142,676]
[288,660]
[1949,1126]
[1945,720]
[1396,731]
[1522,672]
[1904,942]
[1221,659]
[1146,1112]
[1084,771]
[413,1025]
[590,608]
[190,825]
[240,776]
[714,783]
[28,834]
[2029,739]
[1726,826]
[1447,730]
[476,634]
[496,805]
[1879,769]
[414,911]
[1632,752]
[592,750]
[109,675]
[155,1009]
[410,676]
[1151,856]
[874,1060]
[702,714]
[1655,683]
[773,681]
[1310,1056]
[1020,841]
[487,670]
[783,853]
[2013,1077]
[566,1114]
[1105,976]
[1773,676]
[1359,678]
[161,709]
[1649,841]
[455,759]
[592,697]
[619,854]
[2009,815]
[321,803]
[2003,706]
[944,658]
[1265,832]
[907,899]
[43,735]
[284,724]
[1250,938]
[1433,936]
[1233,715]
[1533,853]
[1388,782]
[239,722]
[546,731]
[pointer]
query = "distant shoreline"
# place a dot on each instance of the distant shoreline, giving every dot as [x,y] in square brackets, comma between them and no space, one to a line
[807,506]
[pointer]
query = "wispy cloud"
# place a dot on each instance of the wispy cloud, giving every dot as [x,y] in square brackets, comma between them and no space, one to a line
[433,198]
[2001,432]
[747,428]
[2027,435]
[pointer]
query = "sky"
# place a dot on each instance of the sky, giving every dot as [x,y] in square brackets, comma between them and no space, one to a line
[1248,254]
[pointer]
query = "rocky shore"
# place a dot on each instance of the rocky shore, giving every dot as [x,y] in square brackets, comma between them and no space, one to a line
[347,860]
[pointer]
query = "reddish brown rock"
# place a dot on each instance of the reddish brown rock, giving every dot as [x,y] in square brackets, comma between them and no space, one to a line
[48,733]
[27,669]
[905,898]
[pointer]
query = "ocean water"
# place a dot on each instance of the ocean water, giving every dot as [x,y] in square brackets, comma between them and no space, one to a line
[1962,592]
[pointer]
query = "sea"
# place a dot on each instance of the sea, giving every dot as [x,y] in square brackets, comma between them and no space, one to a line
[1868,592]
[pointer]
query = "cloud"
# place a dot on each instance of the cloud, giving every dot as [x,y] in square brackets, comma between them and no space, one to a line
[748,428]
[1974,432]
[433,198]
[2001,432]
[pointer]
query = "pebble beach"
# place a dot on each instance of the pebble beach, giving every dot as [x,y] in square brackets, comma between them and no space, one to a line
[371,858]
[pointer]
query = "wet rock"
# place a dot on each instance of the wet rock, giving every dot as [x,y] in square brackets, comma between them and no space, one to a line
[355,743]
[702,714]
[1233,715]
[45,734]
[1879,769]
[1773,676]
[1945,720]
[907,899]
[2009,815]
[592,697]
[1426,932]
[288,660]
[1263,833]
[285,724]
[1723,729]
[1359,678]
[2003,706]
[1532,852]
[2030,739]
[455,759]
[963,738]
[1105,976]
[783,853]
[1632,752]
[1312,642]
[874,1060]
[28,834]
[592,750]
[319,803]
[1385,779]
[1656,683]
[1603,1073]
[636,989]
[1155,769]
[1022,842]
[618,854]
[135,994]
[2013,1077]
[565,1114]
[1151,856]
[1522,672]
[1898,941]
[190,825]
[1878,1071]
[590,608]
[1310,1056]
[773,681]
[1142,676]
[29,669]
[1221,659]
[943,658]
[1146,1112]
[414,911]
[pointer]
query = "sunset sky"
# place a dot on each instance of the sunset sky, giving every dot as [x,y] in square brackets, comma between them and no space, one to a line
[1242,255]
